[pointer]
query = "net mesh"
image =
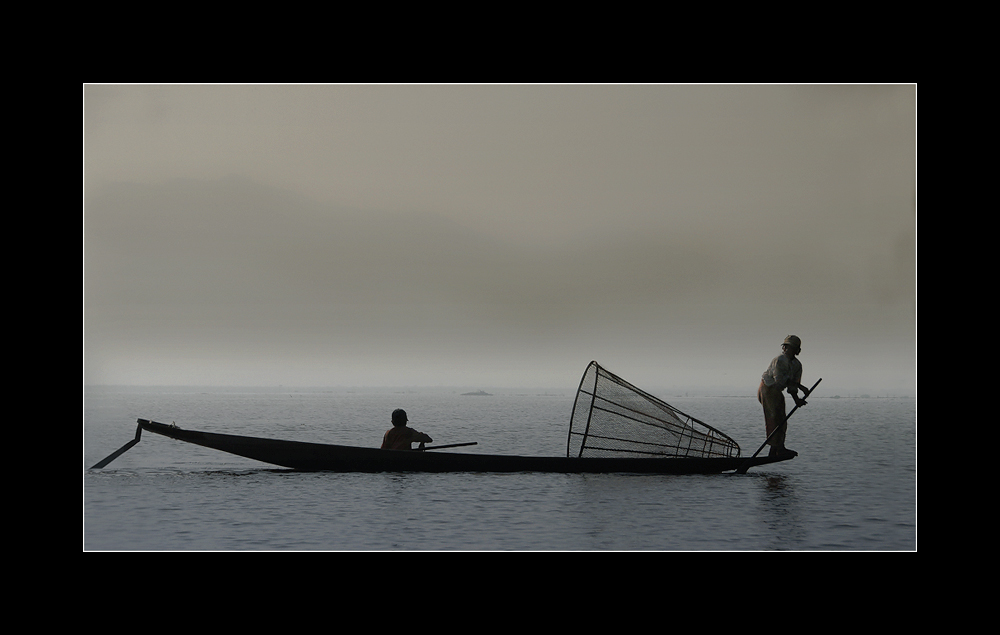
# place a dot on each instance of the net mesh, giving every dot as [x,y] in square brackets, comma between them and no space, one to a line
[613,418]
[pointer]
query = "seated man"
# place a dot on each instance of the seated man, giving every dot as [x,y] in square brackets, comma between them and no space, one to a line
[399,437]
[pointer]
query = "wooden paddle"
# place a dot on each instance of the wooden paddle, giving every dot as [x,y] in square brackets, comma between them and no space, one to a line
[120,451]
[450,445]
[746,466]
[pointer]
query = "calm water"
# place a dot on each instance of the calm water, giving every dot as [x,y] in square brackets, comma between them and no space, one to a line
[852,487]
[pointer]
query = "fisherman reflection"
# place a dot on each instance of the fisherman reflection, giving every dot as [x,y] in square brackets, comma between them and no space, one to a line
[400,437]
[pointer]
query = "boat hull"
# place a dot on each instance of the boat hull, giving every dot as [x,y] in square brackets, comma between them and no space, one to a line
[320,457]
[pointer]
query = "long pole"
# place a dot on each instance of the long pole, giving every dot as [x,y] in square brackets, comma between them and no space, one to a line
[743,468]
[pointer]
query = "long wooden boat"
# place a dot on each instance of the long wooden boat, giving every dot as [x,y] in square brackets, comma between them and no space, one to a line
[312,457]
[614,427]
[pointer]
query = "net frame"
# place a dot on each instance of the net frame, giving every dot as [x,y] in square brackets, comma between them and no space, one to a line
[613,418]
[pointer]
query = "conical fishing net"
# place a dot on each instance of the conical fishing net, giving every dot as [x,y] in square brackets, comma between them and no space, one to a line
[613,418]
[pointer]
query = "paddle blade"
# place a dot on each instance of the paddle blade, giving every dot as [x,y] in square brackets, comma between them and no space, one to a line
[120,451]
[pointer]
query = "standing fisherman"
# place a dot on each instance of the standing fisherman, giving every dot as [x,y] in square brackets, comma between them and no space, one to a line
[785,372]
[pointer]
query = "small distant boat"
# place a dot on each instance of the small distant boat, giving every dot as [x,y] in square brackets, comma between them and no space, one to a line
[614,427]
[478,393]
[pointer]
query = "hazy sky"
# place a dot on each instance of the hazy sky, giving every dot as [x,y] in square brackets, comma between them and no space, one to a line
[492,236]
